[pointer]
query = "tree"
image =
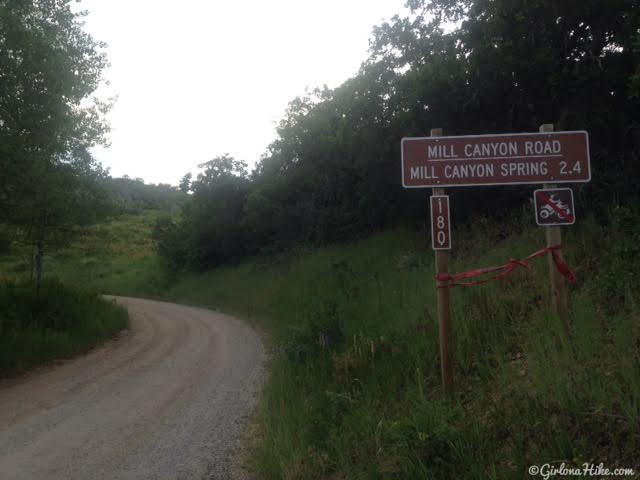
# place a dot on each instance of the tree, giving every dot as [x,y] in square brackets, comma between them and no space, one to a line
[69,201]
[469,66]
[49,67]
[511,65]
[185,183]
[211,230]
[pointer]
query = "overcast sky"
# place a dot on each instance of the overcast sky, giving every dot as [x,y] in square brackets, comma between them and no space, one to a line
[198,78]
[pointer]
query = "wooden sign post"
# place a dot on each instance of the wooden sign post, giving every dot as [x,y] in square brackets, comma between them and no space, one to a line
[545,157]
[554,237]
[444,308]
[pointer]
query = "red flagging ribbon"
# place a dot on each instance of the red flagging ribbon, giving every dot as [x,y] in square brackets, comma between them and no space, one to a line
[447,280]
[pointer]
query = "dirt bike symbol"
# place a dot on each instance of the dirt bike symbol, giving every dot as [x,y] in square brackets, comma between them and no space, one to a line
[547,210]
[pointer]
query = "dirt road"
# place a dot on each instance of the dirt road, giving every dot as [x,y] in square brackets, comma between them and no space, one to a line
[166,400]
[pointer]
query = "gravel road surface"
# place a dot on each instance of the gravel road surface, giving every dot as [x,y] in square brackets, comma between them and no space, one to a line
[168,399]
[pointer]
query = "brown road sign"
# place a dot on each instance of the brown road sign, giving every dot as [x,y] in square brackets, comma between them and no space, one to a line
[507,159]
[440,223]
[554,207]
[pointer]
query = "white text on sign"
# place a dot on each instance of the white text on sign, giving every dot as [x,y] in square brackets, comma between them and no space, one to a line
[440,222]
[495,159]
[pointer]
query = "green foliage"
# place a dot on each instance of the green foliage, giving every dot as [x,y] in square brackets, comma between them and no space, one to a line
[169,243]
[58,323]
[469,66]
[49,66]
[620,272]
[50,183]
[185,183]
[6,238]
[210,230]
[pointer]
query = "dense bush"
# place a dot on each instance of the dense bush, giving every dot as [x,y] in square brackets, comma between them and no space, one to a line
[56,323]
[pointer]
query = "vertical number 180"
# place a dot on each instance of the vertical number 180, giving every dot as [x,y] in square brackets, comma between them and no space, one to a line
[440,224]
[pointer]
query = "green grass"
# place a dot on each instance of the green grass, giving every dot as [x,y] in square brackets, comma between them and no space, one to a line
[354,390]
[113,257]
[354,384]
[69,318]
[58,323]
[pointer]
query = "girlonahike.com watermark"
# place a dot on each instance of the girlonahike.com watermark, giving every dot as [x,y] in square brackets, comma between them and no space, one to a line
[562,470]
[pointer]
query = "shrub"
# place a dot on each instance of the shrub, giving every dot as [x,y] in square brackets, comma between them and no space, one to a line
[57,323]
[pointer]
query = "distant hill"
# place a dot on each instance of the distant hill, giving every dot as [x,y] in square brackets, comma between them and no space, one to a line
[132,195]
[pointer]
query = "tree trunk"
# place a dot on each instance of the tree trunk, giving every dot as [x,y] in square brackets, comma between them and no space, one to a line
[40,254]
[32,263]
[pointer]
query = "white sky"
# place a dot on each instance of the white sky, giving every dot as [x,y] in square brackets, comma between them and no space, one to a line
[199,78]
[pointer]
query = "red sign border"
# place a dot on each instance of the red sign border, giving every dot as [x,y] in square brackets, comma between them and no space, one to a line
[433,244]
[535,207]
[537,182]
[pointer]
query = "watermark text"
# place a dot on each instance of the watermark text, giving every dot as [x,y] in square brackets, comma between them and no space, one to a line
[548,470]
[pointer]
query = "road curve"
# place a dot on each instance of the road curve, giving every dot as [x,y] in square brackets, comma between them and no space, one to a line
[166,400]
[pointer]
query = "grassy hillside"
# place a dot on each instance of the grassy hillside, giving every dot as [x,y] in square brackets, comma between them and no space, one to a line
[355,384]
[115,256]
[354,389]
